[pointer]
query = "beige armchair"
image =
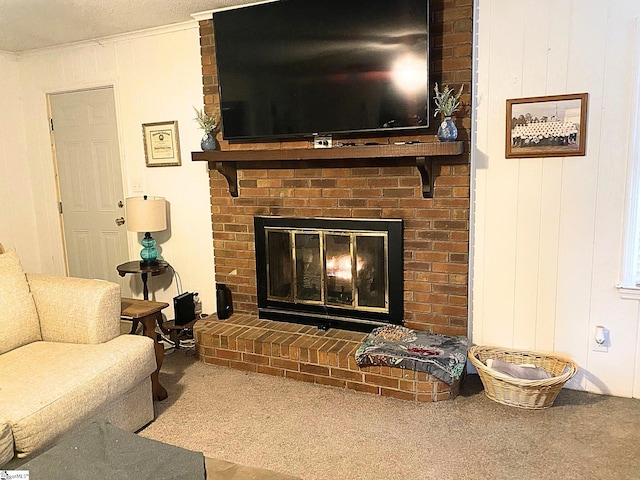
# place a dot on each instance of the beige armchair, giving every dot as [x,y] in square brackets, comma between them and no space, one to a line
[63,361]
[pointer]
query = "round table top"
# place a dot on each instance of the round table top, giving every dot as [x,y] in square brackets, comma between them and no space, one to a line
[138,266]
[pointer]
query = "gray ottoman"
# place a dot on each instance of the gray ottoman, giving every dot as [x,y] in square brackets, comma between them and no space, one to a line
[100,451]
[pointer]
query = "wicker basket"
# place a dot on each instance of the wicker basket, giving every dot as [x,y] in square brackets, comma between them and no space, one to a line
[531,394]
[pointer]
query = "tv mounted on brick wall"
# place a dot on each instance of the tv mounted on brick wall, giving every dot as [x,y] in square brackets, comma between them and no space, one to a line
[296,68]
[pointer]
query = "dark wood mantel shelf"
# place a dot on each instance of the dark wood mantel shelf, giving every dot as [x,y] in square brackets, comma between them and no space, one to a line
[228,162]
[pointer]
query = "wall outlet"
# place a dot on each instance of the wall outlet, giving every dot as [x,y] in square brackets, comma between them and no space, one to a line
[322,141]
[602,346]
[197,303]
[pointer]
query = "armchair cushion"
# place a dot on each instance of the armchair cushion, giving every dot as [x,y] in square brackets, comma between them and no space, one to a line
[19,323]
[76,310]
[49,387]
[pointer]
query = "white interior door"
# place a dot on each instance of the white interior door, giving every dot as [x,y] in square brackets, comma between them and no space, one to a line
[85,134]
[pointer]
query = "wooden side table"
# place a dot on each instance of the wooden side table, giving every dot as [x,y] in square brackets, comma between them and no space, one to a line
[138,267]
[143,269]
[149,314]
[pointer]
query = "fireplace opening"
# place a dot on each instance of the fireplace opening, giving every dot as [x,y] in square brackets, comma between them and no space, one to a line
[332,273]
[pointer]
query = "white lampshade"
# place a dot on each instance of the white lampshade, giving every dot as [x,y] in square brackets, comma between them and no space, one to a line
[146,214]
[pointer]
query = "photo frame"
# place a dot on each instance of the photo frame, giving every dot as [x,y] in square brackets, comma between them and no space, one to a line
[161,144]
[551,126]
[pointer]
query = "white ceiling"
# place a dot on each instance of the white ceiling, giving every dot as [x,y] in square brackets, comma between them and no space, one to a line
[34,24]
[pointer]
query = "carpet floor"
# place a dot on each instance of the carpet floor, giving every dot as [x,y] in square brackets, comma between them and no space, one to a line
[318,432]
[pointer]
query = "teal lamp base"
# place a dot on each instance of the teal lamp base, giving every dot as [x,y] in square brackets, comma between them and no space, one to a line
[149,254]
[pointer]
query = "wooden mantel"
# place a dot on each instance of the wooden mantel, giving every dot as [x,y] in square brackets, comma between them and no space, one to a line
[228,162]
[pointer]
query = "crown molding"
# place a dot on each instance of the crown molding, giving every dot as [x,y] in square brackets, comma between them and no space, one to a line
[148,32]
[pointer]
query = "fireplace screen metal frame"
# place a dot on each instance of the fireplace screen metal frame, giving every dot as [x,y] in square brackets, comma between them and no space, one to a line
[321,297]
[323,294]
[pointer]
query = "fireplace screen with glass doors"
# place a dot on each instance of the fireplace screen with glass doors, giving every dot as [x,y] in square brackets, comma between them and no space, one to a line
[340,273]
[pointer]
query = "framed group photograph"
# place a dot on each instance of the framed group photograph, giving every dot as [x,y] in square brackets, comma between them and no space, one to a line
[551,126]
[161,144]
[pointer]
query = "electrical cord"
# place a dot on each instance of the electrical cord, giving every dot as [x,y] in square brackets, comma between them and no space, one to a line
[187,344]
[170,347]
[190,342]
[178,281]
[176,276]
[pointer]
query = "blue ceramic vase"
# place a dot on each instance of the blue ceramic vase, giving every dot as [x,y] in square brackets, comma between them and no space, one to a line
[208,142]
[447,132]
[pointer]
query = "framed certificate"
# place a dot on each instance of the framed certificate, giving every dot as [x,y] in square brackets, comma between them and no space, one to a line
[161,144]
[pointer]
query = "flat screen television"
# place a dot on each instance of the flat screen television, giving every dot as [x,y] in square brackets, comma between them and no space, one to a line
[297,68]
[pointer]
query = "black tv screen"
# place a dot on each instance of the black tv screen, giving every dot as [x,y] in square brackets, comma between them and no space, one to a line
[296,68]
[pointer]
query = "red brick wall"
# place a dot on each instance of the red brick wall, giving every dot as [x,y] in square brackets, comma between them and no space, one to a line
[436,235]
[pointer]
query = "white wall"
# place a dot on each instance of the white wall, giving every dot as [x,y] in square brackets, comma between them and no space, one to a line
[17,224]
[156,76]
[548,233]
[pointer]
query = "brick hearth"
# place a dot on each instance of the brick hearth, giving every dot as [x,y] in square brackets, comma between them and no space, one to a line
[305,353]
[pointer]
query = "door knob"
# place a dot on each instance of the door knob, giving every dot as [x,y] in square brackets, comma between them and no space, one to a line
[120,221]
[120,204]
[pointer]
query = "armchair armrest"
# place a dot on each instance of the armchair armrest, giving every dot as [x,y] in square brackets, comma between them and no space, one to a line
[76,310]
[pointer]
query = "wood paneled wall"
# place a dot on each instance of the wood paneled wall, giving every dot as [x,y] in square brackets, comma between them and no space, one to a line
[548,234]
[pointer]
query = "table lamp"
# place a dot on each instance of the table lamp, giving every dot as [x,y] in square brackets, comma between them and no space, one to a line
[147,214]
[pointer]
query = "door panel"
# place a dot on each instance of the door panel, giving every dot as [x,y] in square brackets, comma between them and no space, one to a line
[85,136]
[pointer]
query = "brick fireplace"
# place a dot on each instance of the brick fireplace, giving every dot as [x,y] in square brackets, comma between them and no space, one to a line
[436,230]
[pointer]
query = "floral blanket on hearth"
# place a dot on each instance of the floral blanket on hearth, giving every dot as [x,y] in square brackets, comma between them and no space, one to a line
[442,356]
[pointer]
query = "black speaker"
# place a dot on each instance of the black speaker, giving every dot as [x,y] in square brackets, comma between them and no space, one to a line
[224,301]
[184,308]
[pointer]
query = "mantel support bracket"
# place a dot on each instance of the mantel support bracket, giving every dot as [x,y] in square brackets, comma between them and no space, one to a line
[425,167]
[229,171]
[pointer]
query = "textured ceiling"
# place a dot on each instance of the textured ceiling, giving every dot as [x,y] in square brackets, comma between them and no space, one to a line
[33,24]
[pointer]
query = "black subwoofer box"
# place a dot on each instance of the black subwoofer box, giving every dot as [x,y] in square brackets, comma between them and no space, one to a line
[184,308]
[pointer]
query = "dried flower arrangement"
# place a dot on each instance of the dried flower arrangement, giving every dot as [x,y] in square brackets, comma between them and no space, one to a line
[447,101]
